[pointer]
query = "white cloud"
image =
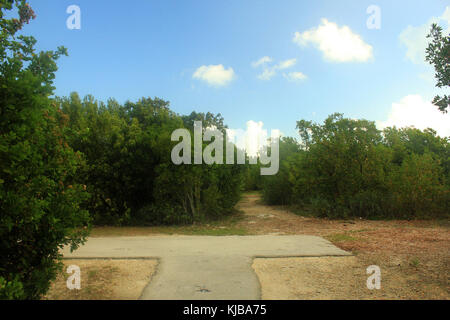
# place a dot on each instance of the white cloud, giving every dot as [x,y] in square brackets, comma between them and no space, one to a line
[338,44]
[256,137]
[267,74]
[215,75]
[415,38]
[286,64]
[294,76]
[253,138]
[261,61]
[270,71]
[413,110]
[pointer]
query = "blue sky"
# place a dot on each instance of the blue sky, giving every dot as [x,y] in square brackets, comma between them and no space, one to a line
[200,55]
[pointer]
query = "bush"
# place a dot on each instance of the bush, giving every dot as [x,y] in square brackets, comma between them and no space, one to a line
[347,168]
[39,200]
[129,171]
[11,290]
[278,189]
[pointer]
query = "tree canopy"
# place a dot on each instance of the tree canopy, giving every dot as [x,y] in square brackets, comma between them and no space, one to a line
[438,54]
[348,168]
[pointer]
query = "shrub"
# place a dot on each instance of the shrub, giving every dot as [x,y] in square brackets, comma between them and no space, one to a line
[39,201]
[347,168]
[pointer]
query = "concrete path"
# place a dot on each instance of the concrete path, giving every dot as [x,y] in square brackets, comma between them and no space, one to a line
[205,267]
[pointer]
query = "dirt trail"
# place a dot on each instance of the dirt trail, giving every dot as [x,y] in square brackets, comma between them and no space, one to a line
[414,256]
[263,219]
[357,235]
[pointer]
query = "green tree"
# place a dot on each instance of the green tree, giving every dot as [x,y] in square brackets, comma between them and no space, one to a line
[348,168]
[278,189]
[129,170]
[39,201]
[438,54]
[340,165]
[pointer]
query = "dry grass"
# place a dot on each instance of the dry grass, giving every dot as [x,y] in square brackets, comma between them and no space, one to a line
[341,278]
[226,226]
[104,279]
[414,256]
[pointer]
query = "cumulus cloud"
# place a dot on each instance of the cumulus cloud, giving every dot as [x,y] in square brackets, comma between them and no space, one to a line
[413,110]
[338,44]
[270,71]
[286,64]
[253,139]
[261,61]
[214,75]
[256,137]
[415,40]
[267,74]
[294,76]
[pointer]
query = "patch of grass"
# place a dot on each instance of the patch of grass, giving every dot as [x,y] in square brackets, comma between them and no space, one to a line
[103,279]
[338,237]
[94,284]
[217,232]
[92,273]
[361,230]
[222,227]
[415,262]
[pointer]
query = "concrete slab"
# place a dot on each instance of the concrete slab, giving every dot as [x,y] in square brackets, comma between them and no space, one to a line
[205,267]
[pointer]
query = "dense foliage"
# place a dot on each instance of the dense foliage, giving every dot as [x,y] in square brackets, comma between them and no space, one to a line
[39,199]
[438,54]
[128,169]
[349,168]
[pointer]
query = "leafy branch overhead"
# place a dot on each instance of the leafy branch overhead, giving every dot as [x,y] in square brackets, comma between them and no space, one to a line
[438,54]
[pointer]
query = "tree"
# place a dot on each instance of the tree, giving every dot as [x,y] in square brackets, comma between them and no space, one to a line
[438,54]
[39,201]
[129,170]
[277,189]
[348,168]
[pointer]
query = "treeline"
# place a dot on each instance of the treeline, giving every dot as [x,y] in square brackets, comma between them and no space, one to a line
[66,163]
[348,168]
[127,166]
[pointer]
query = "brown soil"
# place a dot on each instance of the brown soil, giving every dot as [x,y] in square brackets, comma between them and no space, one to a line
[413,257]
[105,279]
